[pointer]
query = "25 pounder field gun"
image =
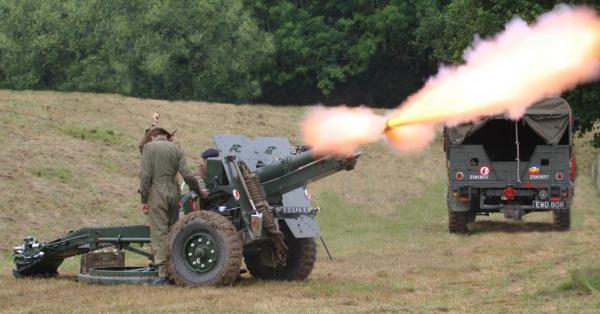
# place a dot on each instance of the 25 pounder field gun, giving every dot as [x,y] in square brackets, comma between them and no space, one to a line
[258,209]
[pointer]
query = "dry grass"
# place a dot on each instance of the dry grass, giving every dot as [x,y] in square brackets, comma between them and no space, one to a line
[70,160]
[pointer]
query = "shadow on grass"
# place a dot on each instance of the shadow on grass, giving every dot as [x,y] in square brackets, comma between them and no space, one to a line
[510,227]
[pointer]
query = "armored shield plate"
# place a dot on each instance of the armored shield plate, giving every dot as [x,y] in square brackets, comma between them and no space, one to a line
[302,226]
[263,151]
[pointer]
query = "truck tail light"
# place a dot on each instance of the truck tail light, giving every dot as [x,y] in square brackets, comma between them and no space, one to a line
[459,176]
[509,193]
[559,176]
[463,195]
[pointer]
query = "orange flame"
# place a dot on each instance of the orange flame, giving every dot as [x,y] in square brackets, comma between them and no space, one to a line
[411,138]
[339,131]
[507,73]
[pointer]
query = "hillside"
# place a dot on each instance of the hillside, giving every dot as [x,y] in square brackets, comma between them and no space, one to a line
[70,160]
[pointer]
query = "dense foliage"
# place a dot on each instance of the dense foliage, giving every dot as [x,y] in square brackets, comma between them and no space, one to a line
[211,50]
[373,52]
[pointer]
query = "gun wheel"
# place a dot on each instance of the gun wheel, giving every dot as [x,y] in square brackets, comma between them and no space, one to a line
[301,257]
[204,249]
[562,219]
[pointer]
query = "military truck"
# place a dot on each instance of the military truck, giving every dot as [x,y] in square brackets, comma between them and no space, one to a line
[498,165]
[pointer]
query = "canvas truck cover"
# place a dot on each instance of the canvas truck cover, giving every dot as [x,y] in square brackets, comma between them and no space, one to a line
[549,118]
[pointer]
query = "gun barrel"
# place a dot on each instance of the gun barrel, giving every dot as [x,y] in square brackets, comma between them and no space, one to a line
[283,166]
[395,123]
[295,171]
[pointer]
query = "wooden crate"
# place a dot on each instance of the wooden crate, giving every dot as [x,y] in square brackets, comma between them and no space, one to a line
[102,259]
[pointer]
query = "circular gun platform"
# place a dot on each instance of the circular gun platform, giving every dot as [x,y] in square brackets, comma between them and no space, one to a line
[118,275]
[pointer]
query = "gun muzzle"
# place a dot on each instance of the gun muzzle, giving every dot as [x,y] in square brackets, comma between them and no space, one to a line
[393,124]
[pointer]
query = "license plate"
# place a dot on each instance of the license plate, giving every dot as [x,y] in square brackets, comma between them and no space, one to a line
[548,204]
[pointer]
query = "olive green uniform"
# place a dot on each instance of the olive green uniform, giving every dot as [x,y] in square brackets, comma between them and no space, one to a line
[146,138]
[200,179]
[201,186]
[161,160]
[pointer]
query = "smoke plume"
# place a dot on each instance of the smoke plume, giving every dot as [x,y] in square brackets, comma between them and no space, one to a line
[504,74]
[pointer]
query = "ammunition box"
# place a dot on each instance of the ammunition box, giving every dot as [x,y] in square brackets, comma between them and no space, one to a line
[101,259]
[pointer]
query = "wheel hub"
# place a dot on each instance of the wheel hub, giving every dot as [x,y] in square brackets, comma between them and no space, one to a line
[201,252]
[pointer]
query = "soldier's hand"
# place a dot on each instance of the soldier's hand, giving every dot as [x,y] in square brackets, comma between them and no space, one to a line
[202,170]
[204,193]
[145,208]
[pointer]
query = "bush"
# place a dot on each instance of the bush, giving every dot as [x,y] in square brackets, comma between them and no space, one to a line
[209,50]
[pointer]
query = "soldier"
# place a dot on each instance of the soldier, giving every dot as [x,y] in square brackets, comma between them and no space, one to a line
[161,161]
[200,173]
[146,138]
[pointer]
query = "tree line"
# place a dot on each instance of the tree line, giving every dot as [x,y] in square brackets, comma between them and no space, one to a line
[373,52]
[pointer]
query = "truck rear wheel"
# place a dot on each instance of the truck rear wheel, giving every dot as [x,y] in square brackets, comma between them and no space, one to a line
[204,249]
[562,219]
[457,222]
[301,257]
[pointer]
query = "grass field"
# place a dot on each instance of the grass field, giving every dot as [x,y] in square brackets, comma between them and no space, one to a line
[70,160]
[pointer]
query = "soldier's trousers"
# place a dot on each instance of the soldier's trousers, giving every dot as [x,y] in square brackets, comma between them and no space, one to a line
[164,212]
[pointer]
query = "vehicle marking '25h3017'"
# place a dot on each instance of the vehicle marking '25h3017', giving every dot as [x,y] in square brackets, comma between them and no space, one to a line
[535,172]
[539,176]
[478,177]
[484,174]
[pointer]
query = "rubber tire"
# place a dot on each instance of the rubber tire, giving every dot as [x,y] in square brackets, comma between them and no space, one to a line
[230,250]
[302,254]
[457,222]
[562,219]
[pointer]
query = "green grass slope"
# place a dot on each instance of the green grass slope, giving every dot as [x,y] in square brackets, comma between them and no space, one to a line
[69,160]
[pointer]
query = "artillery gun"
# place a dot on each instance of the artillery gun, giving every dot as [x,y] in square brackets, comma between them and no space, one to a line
[258,210]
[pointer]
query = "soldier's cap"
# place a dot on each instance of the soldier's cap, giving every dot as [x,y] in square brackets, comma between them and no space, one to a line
[158,129]
[210,152]
[147,131]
